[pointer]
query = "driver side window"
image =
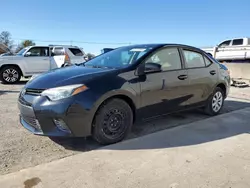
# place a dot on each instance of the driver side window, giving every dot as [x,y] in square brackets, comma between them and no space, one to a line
[225,43]
[168,59]
[39,51]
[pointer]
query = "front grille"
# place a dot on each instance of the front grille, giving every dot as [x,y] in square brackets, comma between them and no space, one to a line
[31,91]
[32,122]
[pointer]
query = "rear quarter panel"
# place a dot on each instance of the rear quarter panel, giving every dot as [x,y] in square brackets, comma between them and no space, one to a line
[75,59]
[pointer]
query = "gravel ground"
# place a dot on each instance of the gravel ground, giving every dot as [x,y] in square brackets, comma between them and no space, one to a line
[20,149]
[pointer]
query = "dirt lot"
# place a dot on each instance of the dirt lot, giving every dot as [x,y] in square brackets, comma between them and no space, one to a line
[20,149]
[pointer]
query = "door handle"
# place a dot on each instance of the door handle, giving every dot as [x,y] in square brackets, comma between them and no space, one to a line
[212,72]
[182,77]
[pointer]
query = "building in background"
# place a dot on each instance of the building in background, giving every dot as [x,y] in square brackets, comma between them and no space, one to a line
[3,48]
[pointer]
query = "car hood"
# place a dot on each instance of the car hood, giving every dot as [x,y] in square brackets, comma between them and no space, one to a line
[65,76]
[10,57]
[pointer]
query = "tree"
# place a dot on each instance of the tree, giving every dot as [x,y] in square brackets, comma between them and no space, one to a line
[24,44]
[5,38]
[90,56]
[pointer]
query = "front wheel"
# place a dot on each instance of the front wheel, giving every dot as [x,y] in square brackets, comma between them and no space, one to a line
[10,75]
[215,102]
[112,122]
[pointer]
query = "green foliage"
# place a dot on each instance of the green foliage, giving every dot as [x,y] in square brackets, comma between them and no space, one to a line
[24,44]
[90,56]
[5,38]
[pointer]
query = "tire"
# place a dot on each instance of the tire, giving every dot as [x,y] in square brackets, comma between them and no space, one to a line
[215,102]
[10,75]
[112,122]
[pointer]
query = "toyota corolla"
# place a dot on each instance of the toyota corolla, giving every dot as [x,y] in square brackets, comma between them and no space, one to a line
[106,95]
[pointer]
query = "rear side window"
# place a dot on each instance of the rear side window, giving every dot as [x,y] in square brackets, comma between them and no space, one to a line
[39,51]
[224,44]
[193,59]
[238,42]
[76,51]
[58,51]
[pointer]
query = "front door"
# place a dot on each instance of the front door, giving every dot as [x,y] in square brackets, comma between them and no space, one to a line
[165,91]
[37,60]
[222,52]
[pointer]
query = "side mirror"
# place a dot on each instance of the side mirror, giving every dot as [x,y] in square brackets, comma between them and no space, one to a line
[27,54]
[152,67]
[148,68]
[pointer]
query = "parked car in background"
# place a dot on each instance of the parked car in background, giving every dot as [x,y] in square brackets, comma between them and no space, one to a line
[105,50]
[233,49]
[106,95]
[38,59]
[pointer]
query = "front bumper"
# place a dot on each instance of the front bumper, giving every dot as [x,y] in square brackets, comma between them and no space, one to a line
[40,116]
[30,127]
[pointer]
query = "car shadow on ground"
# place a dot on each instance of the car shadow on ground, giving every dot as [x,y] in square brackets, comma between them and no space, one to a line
[77,144]
[22,82]
[3,92]
[202,132]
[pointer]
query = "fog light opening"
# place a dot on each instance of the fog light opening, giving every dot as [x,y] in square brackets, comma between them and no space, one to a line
[61,125]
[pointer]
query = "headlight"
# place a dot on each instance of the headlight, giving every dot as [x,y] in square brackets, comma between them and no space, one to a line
[63,92]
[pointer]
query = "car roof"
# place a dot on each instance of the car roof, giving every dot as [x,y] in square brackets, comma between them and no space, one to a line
[159,45]
[65,46]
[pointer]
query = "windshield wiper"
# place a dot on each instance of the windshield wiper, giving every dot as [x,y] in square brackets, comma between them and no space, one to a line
[98,66]
[93,66]
[79,64]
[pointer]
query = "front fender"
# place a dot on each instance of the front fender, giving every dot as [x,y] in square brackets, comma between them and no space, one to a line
[128,92]
[20,63]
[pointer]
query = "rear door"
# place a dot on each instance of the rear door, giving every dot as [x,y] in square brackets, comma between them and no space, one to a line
[37,60]
[165,91]
[76,55]
[202,74]
[58,57]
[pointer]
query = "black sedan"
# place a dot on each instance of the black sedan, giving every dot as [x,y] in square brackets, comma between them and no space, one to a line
[106,95]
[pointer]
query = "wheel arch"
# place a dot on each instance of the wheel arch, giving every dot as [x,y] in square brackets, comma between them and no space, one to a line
[128,99]
[12,65]
[223,87]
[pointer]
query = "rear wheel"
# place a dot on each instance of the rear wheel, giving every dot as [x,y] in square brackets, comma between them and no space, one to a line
[112,122]
[215,102]
[10,74]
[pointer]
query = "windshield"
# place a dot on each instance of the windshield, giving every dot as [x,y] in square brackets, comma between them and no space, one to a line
[21,51]
[120,57]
